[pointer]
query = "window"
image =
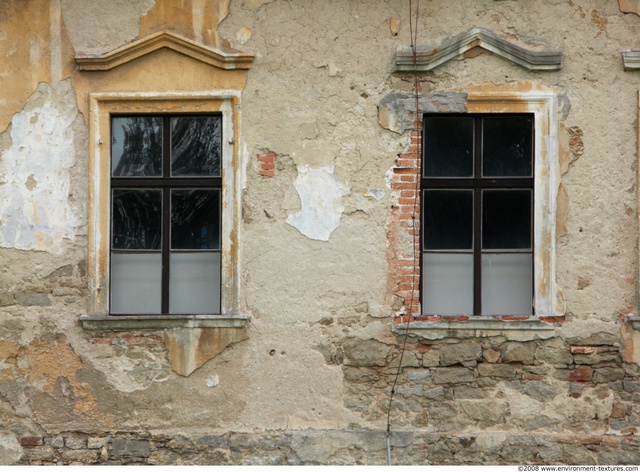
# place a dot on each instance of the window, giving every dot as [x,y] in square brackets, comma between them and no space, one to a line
[477,191]
[166,181]
[164,210]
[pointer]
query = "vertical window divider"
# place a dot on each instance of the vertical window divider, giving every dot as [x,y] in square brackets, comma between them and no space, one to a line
[166,211]
[477,217]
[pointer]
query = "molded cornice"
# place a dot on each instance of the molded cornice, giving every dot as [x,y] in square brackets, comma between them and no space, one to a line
[428,58]
[164,39]
[631,60]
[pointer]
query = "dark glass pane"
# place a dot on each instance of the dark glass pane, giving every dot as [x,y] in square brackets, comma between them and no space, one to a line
[137,219]
[195,219]
[507,146]
[196,143]
[506,219]
[448,219]
[448,147]
[136,146]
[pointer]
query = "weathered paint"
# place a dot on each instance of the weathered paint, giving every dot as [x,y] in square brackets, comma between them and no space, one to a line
[311,382]
[321,199]
[37,208]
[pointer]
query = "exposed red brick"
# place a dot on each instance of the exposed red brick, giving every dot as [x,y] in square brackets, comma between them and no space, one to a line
[31,441]
[552,319]
[267,167]
[581,374]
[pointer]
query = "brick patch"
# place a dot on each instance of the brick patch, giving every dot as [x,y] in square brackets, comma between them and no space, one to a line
[404,227]
[267,163]
[31,441]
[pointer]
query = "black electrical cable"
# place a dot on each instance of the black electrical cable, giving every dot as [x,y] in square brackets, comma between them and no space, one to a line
[414,35]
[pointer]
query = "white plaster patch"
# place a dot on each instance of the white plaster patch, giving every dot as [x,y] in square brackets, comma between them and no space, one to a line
[376,193]
[321,200]
[213,380]
[35,212]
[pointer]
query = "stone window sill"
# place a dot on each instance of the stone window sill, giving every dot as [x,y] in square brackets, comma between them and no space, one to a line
[635,321]
[480,327]
[125,323]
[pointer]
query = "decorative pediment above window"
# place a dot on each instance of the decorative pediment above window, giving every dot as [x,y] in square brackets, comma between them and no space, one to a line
[164,39]
[631,60]
[428,58]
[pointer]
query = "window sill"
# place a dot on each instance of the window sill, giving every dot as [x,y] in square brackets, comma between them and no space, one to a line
[635,321]
[517,330]
[125,323]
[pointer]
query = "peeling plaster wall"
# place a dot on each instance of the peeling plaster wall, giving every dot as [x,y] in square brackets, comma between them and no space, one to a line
[37,208]
[321,128]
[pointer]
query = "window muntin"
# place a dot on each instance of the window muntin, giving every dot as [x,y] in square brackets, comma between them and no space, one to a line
[477,220]
[166,214]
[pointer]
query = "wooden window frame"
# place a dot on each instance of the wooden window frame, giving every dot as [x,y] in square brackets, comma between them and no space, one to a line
[166,183]
[476,183]
[102,107]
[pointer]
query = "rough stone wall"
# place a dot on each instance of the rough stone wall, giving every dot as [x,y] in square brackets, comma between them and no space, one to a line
[321,272]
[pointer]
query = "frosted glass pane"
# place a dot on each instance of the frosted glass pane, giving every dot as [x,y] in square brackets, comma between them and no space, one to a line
[507,284]
[136,283]
[447,284]
[194,285]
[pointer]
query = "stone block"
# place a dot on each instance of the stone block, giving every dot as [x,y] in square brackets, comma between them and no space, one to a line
[581,374]
[75,443]
[80,456]
[129,448]
[619,457]
[420,376]
[217,442]
[523,353]
[596,358]
[597,339]
[497,370]
[442,410]
[10,449]
[250,441]
[485,411]
[32,299]
[491,355]
[541,391]
[7,299]
[31,441]
[579,455]
[360,375]
[97,443]
[446,375]
[608,374]
[464,392]
[554,356]
[618,410]
[541,422]
[39,453]
[409,392]
[410,359]
[431,358]
[451,354]
[56,441]
[437,393]
[362,353]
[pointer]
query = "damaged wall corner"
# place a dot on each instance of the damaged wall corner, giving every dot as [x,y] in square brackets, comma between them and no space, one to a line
[191,348]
